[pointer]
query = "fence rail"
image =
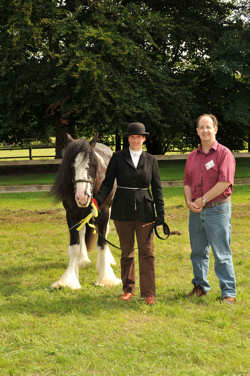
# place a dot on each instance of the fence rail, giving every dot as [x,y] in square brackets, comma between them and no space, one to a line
[31,148]
[184,156]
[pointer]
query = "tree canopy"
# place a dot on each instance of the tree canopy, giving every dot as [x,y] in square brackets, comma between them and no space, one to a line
[93,66]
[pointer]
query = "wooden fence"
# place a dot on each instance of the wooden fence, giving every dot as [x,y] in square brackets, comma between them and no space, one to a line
[29,149]
[28,152]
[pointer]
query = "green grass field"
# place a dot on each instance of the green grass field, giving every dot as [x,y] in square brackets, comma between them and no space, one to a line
[91,331]
[169,170]
[174,170]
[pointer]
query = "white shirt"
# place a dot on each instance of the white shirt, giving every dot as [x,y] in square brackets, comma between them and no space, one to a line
[135,155]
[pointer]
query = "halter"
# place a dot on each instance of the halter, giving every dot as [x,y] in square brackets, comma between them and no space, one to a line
[88,179]
[92,183]
[82,181]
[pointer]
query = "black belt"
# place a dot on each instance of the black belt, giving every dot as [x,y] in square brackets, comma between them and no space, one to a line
[133,188]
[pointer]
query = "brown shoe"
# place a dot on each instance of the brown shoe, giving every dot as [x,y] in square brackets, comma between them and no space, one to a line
[229,299]
[150,300]
[197,290]
[126,296]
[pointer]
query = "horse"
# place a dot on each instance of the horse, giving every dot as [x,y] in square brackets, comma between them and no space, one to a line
[79,177]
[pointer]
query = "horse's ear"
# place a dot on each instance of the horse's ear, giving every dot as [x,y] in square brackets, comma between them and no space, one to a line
[94,140]
[69,138]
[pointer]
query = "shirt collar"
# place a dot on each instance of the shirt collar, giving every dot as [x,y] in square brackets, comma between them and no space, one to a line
[135,152]
[214,147]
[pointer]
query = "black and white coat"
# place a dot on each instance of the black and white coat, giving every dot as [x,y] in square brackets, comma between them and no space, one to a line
[133,204]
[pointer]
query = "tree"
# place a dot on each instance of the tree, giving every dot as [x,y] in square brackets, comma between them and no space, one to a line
[24,81]
[223,85]
[93,66]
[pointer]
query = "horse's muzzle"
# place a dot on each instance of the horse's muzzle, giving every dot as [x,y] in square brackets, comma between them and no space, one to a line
[82,200]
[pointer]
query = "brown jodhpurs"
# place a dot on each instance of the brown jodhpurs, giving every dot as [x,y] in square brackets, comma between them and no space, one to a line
[126,231]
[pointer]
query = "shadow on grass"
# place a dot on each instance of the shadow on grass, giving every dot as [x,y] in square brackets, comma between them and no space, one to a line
[36,298]
[174,297]
[21,293]
[33,296]
[90,301]
[58,302]
[10,279]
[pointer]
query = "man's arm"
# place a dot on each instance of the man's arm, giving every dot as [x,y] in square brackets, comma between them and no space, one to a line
[188,198]
[215,191]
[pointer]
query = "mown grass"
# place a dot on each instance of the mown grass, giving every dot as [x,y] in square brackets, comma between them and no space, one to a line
[91,331]
[174,170]
[169,170]
[29,179]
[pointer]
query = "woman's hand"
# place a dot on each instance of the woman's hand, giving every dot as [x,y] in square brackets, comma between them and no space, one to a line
[159,221]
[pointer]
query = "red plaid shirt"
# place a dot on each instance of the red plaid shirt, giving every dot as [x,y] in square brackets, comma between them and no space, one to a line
[203,171]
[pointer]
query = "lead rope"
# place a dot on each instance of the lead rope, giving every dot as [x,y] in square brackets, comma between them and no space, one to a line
[94,213]
[86,220]
[165,229]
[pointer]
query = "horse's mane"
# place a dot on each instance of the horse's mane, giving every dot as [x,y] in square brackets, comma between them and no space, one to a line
[63,188]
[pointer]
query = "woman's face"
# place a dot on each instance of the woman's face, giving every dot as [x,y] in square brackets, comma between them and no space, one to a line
[136,141]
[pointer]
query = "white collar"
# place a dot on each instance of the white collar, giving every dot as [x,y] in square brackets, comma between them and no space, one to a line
[135,152]
[135,156]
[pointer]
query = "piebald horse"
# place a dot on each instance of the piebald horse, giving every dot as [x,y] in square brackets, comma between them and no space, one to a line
[79,177]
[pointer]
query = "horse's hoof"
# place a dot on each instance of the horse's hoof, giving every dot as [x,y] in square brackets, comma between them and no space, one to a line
[117,282]
[56,285]
[84,263]
[59,285]
[99,284]
[108,282]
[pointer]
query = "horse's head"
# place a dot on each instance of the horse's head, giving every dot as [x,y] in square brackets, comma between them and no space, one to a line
[84,171]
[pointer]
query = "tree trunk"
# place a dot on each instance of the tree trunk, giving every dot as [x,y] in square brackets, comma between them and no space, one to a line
[118,144]
[125,142]
[155,146]
[63,127]
[249,139]
[60,137]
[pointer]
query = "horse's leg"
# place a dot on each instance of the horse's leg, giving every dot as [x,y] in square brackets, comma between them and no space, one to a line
[84,258]
[105,258]
[70,277]
[90,238]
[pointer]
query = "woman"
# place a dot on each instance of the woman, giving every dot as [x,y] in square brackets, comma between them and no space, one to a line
[133,209]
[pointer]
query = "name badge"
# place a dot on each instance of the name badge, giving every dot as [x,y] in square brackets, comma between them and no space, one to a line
[209,164]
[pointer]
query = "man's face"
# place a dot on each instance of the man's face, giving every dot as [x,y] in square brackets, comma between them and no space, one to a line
[136,141]
[206,130]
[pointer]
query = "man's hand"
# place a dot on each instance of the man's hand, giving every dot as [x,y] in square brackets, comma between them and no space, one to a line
[190,204]
[198,203]
[195,206]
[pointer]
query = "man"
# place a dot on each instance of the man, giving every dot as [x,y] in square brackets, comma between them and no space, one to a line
[208,185]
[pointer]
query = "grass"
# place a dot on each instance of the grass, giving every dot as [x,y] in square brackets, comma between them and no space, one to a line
[169,170]
[28,179]
[91,331]
[174,170]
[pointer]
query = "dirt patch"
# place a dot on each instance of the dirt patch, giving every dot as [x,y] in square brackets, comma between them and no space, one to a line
[31,216]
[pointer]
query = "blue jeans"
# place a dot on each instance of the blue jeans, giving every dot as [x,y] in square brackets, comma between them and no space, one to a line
[212,227]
